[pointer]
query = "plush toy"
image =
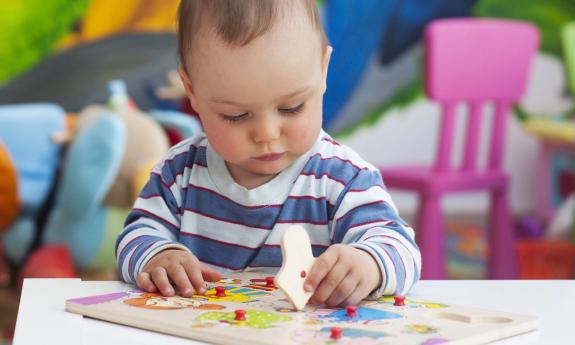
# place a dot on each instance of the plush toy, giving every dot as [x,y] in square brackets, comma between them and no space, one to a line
[9,202]
[172,103]
[106,162]
[146,143]
[112,148]
[80,218]
[27,131]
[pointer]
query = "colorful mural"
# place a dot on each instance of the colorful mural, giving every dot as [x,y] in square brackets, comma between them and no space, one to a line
[30,30]
[371,36]
[404,32]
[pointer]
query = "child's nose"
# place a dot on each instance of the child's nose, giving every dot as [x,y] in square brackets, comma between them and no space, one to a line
[266,131]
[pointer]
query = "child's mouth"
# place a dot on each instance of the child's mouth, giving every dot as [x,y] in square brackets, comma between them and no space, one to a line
[270,156]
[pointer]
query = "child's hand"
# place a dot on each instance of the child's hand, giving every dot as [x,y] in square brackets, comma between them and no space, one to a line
[342,275]
[176,268]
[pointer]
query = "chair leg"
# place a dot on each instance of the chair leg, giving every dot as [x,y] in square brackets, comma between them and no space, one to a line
[502,258]
[430,237]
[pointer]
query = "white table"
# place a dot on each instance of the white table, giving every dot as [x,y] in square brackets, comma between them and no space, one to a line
[42,319]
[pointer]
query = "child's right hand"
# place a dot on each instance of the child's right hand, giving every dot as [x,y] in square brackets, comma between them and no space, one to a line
[176,268]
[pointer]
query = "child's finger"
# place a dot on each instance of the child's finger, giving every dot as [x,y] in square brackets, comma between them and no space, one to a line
[160,278]
[328,285]
[342,292]
[179,276]
[195,276]
[357,296]
[361,291]
[320,268]
[210,274]
[144,282]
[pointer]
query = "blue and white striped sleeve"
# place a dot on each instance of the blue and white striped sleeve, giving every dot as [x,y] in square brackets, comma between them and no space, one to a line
[153,223]
[366,218]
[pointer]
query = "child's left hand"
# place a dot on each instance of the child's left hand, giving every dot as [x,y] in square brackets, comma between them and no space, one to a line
[342,275]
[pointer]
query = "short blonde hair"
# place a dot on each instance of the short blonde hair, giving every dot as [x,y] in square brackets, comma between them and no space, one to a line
[236,22]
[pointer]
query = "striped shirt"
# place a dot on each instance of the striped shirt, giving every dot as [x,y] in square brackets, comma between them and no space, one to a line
[191,202]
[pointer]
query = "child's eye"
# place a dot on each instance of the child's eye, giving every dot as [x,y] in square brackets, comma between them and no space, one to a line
[234,118]
[293,110]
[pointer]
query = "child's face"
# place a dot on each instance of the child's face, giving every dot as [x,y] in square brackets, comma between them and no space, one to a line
[260,104]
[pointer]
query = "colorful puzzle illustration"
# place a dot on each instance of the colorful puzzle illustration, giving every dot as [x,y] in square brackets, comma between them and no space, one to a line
[247,308]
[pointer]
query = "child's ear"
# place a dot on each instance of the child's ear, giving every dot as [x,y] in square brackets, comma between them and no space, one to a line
[325,65]
[187,84]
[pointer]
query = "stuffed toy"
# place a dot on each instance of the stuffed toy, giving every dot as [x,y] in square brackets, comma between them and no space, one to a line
[107,159]
[119,143]
[9,201]
[26,131]
[80,219]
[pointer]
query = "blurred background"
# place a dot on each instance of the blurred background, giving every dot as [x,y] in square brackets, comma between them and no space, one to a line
[89,101]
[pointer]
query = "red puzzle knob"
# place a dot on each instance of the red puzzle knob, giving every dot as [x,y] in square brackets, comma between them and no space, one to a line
[351,311]
[270,282]
[240,315]
[336,333]
[220,291]
[399,301]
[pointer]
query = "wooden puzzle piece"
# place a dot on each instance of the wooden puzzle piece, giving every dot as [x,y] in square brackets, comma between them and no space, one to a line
[411,303]
[362,315]
[152,300]
[340,336]
[155,301]
[420,329]
[265,284]
[297,259]
[251,318]
[231,294]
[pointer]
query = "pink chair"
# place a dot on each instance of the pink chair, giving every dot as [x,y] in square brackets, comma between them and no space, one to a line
[473,61]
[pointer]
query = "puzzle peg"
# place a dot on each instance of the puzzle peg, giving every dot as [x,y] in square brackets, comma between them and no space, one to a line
[220,291]
[351,311]
[270,282]
[240,315]
[336,333]
[399,301]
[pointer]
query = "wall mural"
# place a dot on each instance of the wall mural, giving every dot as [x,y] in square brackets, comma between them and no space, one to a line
[66,52]
[75,47]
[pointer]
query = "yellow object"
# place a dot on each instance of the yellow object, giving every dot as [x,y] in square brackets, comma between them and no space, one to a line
[9,202]
[141,177]
[108,17]
[551,129]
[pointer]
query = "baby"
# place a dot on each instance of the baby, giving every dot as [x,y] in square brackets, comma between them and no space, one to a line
[255,71]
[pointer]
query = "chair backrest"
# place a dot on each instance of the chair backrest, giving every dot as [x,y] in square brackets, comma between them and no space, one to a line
[568,37]
[476,61]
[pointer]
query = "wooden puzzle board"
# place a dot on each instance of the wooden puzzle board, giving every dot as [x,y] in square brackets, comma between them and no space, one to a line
[271,319]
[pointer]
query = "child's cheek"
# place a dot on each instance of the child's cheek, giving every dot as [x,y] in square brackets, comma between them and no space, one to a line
[305,134]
